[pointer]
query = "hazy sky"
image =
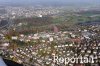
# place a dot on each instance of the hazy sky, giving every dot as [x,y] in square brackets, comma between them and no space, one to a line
[50,1]
[53,0]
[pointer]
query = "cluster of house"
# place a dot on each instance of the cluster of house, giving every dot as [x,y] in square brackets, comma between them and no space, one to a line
[42,46]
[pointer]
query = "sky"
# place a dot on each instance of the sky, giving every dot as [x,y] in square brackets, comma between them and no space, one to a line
[49,1]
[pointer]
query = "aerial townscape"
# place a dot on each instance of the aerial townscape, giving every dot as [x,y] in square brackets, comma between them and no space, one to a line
[50,35]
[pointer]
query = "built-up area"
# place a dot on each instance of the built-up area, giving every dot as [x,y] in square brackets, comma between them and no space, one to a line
[39,49]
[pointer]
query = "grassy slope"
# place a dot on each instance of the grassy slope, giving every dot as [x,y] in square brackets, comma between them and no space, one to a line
[62,21]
